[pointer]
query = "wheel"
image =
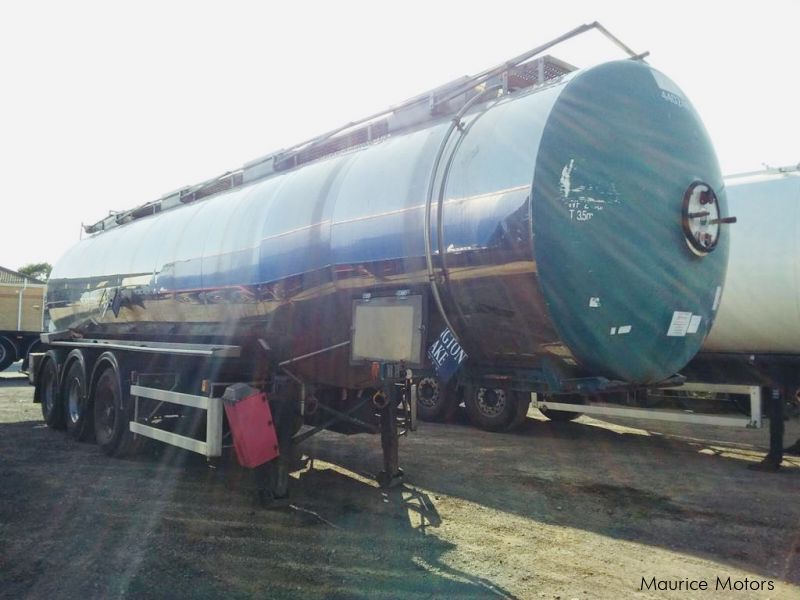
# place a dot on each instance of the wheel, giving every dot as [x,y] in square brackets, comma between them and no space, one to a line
[113,412]
[492,409]
[563,416]
[7,354]
[522,401]
[434,400]
[75,396]
[48,393]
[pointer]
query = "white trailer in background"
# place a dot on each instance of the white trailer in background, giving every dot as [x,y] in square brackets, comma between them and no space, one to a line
[755,340]
[760,310]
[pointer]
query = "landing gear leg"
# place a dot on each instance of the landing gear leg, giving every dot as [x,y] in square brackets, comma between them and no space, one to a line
[273,477]
[273,480]
[772,461]
[392,474]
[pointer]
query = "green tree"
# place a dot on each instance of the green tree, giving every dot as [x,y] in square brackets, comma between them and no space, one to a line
[39,271]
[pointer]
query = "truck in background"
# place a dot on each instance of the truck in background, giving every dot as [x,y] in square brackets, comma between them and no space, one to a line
[21,315]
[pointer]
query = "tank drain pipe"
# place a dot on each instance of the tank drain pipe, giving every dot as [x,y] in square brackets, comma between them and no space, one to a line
[285,364]
[455,123]
[310,354]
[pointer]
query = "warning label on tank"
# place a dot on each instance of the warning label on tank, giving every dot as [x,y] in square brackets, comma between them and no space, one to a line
[679,325]
[694,324]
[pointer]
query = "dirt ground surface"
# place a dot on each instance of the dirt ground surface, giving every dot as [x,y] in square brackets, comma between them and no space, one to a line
[557,510]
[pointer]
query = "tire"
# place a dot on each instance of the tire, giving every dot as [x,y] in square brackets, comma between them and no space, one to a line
[563,416]
[522,401]
[112,410]
[492,409]
[434,400]
[8,354]
[75,397]
[48,393]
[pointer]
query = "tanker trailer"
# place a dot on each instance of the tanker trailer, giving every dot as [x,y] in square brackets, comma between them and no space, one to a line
[755,342]
[535,228]
[756,336]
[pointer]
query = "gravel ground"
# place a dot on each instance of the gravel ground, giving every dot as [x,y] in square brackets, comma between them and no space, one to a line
[578,510]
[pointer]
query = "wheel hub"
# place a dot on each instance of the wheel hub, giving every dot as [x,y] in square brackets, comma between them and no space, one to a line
[104,425]
[49,392]
[74,400]
[491,401]
[428,392]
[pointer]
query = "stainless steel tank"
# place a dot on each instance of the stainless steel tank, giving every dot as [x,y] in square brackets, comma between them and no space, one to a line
[570,223]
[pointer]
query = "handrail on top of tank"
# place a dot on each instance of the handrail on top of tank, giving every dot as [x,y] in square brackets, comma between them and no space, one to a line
[767,170]
[467,84]
[525,56]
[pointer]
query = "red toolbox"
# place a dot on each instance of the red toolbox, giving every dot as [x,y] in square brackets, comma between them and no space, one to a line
[250,420]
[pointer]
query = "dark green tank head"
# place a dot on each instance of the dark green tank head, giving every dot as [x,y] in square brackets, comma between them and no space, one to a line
[627,194]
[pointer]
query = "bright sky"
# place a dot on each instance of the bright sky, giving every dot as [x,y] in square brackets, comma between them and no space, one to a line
[106,105]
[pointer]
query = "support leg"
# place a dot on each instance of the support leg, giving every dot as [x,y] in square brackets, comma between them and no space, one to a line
[772,461]
[281,468]
[273,477]
[776,425]
[392,474]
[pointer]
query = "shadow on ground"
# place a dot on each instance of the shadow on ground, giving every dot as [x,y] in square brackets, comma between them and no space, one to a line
[78,524]
[673,492]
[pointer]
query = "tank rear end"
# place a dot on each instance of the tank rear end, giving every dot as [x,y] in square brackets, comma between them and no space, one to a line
[604,247]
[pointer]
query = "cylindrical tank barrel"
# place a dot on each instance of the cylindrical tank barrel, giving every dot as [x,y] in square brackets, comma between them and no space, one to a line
[567,235]
[760,308]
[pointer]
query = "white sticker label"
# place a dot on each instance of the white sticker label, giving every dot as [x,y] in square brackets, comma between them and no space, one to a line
[679,324]
[624,329]
[594,302]
[717,296]
[613,331]
[694,324]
